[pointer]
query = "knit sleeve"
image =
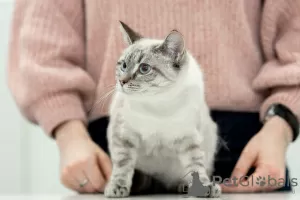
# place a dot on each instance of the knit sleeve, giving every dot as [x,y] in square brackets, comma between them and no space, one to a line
[46,70]
[280,37]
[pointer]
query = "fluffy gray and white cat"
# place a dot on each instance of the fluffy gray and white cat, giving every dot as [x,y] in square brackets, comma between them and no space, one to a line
[159,121]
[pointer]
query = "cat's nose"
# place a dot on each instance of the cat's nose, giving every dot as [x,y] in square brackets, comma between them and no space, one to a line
[124,81]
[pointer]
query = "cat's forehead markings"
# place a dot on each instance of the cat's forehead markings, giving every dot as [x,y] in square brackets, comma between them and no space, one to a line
[140,57]
[135,55]
[145,51]
[135,69]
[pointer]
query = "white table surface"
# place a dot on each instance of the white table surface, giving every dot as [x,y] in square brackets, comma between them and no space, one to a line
[271,196]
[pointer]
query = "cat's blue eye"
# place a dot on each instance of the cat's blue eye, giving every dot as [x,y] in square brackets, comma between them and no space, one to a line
[144,68]
[124,67]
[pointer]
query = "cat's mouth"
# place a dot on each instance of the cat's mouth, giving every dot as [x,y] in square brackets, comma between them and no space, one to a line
[130,88]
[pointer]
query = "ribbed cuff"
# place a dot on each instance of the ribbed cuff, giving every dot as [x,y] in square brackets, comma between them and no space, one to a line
[288,96]
[53,110]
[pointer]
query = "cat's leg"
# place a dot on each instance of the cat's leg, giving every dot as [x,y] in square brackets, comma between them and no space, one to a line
[123,156]
[192,158]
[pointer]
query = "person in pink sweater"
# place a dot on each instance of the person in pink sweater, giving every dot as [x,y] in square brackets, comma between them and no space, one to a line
[62,60]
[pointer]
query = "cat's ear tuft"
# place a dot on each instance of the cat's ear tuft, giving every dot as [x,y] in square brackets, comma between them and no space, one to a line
[129,35]
[174,44]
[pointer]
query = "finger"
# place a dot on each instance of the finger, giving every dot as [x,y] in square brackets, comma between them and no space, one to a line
[268,175]
[255,183]
[242,187]
[105,164]
[70,182]
[80,178]
[93,173]
[244,163]
[74,185]
[245,186]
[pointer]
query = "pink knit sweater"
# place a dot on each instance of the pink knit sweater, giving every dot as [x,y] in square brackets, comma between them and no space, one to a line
[63,53]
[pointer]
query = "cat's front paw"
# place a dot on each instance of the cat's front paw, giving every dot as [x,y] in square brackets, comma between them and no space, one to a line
[215,190]
[116,190]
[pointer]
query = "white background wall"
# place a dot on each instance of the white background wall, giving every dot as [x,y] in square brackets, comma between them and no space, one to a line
[10,124]
[28,159]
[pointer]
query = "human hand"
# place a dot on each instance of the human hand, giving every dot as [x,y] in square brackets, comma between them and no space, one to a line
[81,160]
[266,152]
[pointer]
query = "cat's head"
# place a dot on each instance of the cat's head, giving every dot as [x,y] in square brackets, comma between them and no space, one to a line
[149,66]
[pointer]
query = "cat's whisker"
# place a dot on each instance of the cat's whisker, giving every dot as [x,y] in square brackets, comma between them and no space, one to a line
[224,143]
[106,97]
[111,86]
[102,98]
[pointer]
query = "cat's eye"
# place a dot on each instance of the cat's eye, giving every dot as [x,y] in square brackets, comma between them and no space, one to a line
[123,67]
[144,68]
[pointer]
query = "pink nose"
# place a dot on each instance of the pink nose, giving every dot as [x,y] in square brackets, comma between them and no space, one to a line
[123,82]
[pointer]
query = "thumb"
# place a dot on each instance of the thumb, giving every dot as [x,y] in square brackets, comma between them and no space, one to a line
[105,164]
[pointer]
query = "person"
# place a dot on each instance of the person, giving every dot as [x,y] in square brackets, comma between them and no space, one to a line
[62,61]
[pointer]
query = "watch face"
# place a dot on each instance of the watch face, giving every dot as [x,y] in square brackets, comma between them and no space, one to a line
[271,111]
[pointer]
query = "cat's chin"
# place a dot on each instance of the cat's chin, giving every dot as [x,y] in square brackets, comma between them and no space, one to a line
[129,92]
[135,94]
[139,95]
[163,92]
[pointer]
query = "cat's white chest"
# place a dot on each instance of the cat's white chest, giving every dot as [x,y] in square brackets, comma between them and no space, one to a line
[149,125]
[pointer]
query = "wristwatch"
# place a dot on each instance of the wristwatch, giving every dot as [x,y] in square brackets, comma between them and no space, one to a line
[286,114]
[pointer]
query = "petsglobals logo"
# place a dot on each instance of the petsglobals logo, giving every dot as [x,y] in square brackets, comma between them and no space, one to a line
[259,181]
[193,187]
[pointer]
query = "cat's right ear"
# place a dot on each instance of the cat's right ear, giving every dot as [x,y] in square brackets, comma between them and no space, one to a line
[173,45]
[129,35]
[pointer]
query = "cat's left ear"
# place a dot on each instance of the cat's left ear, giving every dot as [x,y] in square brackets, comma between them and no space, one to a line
[174,44]
[129,35]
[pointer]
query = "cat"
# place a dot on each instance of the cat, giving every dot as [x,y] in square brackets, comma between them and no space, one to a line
[160,123]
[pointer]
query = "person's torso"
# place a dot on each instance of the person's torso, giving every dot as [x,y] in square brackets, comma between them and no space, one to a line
[223,36]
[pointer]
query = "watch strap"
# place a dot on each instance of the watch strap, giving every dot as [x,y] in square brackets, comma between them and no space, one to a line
[286,114]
